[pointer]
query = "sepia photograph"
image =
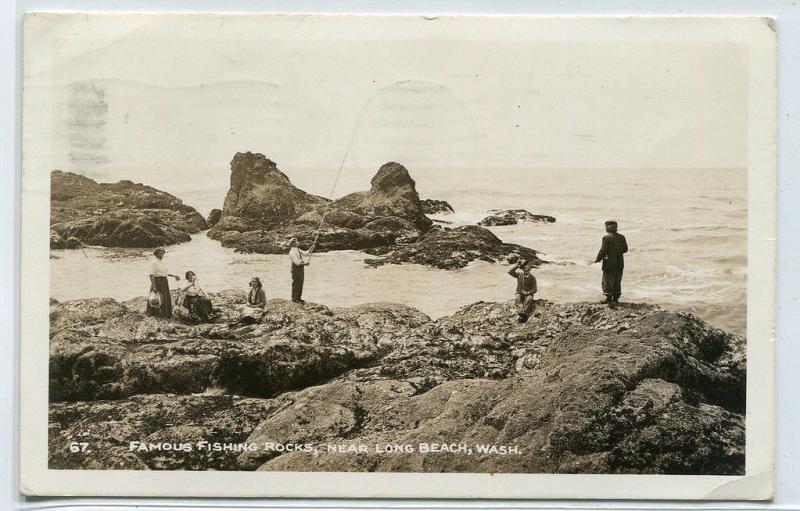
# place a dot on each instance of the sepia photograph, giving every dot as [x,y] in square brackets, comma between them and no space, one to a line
[396,244]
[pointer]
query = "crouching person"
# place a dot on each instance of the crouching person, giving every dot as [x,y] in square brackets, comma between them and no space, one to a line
[196,301]
[526,288]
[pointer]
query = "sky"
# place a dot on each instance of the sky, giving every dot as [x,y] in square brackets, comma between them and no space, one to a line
[146,97]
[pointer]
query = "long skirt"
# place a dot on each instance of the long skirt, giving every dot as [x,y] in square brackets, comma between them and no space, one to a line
[298,275]
[165,311]
[612,283]
[198,306]
[249,315]
[525,304]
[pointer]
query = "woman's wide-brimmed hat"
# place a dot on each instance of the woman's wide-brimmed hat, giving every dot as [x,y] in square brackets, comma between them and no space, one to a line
[159,249]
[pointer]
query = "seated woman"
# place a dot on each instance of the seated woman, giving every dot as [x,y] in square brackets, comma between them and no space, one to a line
[195,299]
[256,301]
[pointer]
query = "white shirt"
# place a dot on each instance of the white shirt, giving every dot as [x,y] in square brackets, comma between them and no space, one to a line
[194,289]
[158,268]
[296,255]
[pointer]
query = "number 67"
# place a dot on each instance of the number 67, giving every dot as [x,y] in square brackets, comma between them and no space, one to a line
[78,446]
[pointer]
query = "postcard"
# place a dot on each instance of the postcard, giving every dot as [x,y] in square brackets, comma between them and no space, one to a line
[398,256]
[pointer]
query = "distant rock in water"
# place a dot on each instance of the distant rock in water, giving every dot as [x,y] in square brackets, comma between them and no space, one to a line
[393,195]
[451,249]
[513,216]
[263,210]
[122,214]
[433,207]
[213,217]
[580,388]
[261,196]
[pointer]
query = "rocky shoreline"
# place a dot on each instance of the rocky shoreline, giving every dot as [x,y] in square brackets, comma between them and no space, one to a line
[580,388]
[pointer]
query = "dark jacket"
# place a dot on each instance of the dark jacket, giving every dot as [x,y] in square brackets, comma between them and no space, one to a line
[614,245]
[257,299]
[526,284]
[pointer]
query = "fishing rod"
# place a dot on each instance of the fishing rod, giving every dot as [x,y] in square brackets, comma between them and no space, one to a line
[330,195]
[356,127]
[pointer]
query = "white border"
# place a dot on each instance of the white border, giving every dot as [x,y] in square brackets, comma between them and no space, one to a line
[506,486]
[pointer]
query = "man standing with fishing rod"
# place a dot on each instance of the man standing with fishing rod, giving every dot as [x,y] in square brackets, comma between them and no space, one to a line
[300,259]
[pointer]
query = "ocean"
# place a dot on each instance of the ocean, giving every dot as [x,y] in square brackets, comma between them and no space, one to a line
[686,232]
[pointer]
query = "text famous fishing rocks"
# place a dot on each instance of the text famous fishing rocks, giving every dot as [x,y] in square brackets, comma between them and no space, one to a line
[334,448]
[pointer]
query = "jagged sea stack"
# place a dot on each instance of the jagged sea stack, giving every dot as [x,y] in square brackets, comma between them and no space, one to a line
[263,209]
[261,196]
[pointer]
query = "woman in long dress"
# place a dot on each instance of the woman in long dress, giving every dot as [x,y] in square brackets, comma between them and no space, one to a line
[256,301]
[159,283]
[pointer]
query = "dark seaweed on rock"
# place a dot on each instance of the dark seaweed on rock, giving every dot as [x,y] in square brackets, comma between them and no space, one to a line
[580,388]
[122,214]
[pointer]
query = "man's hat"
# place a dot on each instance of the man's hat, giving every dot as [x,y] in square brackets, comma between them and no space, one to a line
[611,222]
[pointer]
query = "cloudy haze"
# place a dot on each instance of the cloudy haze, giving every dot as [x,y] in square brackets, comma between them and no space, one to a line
[155,96]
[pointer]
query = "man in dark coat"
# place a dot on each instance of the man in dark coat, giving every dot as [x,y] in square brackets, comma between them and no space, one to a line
[526,288]
[614,245]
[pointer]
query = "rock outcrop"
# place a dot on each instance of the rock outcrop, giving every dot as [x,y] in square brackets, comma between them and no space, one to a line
[261,197]
[580,388]
[513,217]
[455,248]
[263,210]
[122,214]
[433,207]
[213,217]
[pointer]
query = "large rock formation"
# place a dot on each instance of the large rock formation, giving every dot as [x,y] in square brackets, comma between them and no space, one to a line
[263,210]
[580,388]
[122,214]
[392,199]
[261,196]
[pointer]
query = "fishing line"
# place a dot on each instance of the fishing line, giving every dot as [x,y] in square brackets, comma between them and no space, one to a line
[330,195]
[356,127]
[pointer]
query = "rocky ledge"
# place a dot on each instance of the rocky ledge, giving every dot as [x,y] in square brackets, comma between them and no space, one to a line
[450,249]
[263,210]
[433,207]
[122,214]
[513,217]
[580,388]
